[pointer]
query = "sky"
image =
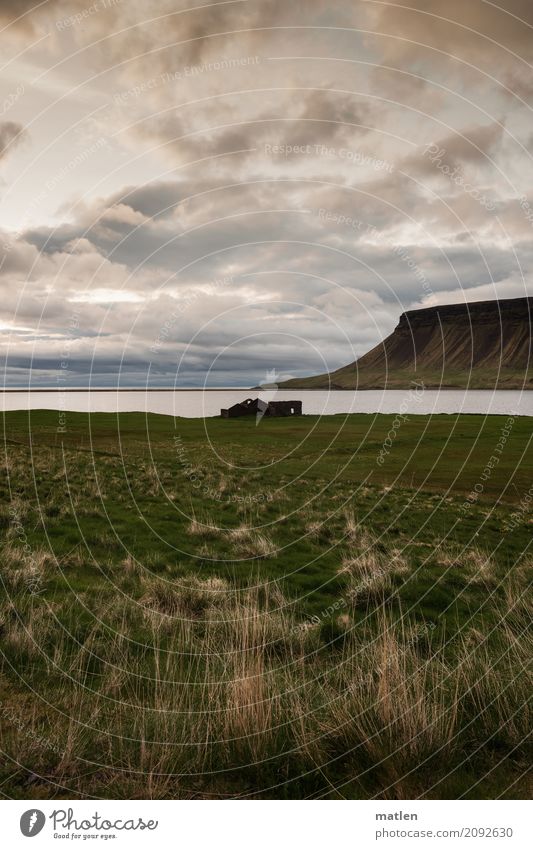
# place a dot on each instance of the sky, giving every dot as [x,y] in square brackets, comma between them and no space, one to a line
[230,193]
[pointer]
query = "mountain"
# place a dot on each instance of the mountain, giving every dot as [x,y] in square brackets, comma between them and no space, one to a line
[480,345]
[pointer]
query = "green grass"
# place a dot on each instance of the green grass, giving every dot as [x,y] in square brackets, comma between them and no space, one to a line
[480,377]
[212,608]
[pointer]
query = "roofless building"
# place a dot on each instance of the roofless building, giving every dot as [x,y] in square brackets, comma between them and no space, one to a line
[255,406]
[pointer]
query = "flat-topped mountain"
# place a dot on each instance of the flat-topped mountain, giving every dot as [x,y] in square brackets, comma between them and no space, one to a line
[481,345]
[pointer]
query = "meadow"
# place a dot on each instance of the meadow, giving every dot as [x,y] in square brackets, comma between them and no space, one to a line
[330,607]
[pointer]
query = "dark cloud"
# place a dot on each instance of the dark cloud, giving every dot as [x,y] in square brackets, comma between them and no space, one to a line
[308,118]
[11,134]
[19,12]
[473,144]
[476,30]
[476,145]
[323,117]
[168,29]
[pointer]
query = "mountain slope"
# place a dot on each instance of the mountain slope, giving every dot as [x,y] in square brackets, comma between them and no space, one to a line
[480,345]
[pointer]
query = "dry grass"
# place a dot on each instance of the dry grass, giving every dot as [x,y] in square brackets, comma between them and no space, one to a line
[476,566]
[314,529]
[25,571]
[250,543]
[393,709]
[203,528]
[371,574]
[220,678]
[358,537]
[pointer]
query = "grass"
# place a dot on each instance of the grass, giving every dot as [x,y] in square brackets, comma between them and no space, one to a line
[481,377]
[267,612]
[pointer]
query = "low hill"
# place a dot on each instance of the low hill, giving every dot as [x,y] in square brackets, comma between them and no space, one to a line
[481,345]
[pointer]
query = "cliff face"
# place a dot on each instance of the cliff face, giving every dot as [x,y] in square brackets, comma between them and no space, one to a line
[481,345]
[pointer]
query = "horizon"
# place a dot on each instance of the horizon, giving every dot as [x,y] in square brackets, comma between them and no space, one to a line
[134,386]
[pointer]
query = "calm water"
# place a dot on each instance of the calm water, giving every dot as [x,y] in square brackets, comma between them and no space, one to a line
[197,403]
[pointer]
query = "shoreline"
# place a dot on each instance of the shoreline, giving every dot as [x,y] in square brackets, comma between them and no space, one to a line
[244,419]
[244,389]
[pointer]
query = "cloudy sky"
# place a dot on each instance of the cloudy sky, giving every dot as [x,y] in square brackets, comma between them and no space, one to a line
[219,192]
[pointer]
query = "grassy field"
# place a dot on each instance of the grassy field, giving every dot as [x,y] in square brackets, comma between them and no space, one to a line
[332,607]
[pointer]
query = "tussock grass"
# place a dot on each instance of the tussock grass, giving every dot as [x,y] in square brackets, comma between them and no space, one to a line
[357,536]
[476,566]
[250,543]
[203,528]
[222,687]
[370,570]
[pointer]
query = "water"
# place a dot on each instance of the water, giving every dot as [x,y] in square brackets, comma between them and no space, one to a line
[194,403]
